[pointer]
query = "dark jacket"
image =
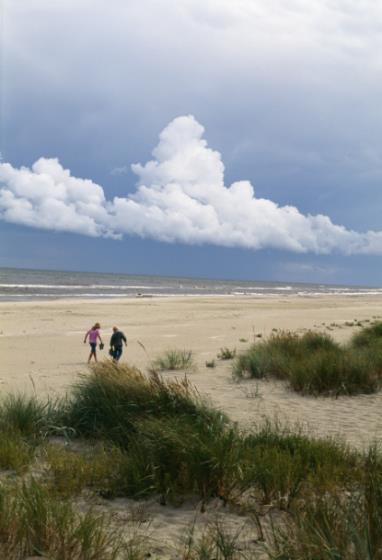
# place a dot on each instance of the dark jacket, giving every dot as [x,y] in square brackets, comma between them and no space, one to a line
[117,338]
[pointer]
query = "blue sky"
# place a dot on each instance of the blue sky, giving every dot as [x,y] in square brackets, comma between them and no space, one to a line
[269,162]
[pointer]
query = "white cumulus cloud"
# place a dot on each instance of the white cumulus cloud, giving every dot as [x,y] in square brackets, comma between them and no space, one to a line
[180,197]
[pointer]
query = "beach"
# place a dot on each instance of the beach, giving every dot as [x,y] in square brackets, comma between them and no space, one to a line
[42,350]
[42,353]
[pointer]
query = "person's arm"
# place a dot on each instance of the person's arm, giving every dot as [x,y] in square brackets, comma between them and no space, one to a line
[86,336]
[99,337]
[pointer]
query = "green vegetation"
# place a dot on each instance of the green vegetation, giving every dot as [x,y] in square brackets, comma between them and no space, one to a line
[110,403]
[160,438]
[315,364]
[15,452]
[284,465]
[33,523]
[175,443]
[210,363]
[28,416]
[131,435]
[97,468]
[215,543]
[173,360]
[369,337]
[337,525]
[226,354]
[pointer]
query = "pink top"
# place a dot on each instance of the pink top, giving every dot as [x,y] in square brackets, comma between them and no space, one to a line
[93,335]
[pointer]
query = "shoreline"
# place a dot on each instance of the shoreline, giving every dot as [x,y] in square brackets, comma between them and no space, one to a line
[120,299]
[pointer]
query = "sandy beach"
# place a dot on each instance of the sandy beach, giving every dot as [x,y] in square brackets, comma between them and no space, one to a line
[42,350]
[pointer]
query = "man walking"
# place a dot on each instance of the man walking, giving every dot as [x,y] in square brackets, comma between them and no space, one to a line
[116,344]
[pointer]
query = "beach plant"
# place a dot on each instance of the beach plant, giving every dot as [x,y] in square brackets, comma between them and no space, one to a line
[96,468]
[226,353]
[312,364]
[110,401]
[210,364]
[336,525]
[33,523]
[173,359]
[340,371]
[217,542]
[370,336]
[250,364]
[283,464]
[175,443]
[106,471]
[176,459]
[29,416]
[15,452]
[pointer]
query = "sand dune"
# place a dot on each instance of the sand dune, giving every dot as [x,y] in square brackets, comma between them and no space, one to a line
[42,350]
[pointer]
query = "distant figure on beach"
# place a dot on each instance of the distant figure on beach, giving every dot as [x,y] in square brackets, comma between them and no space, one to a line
[116,345]
[94,336]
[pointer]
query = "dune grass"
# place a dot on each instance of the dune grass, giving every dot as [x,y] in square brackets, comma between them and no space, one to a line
[146,436]
[283,464]
[315,364]
[29,416]
[215,543]
[108,403]
[370,336]
[345,371]
[172,444]
[97,468]
[337,525]
[16,453]
[226,353]
[173,360]
[33,523]
[175,442]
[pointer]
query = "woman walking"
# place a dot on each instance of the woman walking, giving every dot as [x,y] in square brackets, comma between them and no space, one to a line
[93,335]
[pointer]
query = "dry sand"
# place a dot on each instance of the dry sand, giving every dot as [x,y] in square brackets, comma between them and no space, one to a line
[42,350]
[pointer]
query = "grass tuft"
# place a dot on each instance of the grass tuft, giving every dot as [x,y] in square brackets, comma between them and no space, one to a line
[314,363]
[337,525]
[15,452]
[173,360]
[28,416]
[33,523]
[369,337]
[109,403]
[226,354]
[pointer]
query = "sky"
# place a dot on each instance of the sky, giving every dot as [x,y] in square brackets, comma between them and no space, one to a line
[203,138]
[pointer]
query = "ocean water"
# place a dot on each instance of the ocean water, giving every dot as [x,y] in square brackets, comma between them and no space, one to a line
[20,284]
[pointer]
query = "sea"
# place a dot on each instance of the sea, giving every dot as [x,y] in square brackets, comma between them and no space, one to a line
[22,284]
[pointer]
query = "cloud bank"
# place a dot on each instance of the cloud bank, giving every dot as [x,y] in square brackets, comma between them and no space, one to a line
[180,197]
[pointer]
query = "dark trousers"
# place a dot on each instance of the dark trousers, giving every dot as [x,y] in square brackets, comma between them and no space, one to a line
[117,352]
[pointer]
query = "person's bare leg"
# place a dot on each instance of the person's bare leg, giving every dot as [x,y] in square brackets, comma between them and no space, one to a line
[90,357]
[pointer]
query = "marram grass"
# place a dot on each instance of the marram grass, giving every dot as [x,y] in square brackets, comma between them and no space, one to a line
[33,523]
[110,402]
[315,364]
[174,359]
